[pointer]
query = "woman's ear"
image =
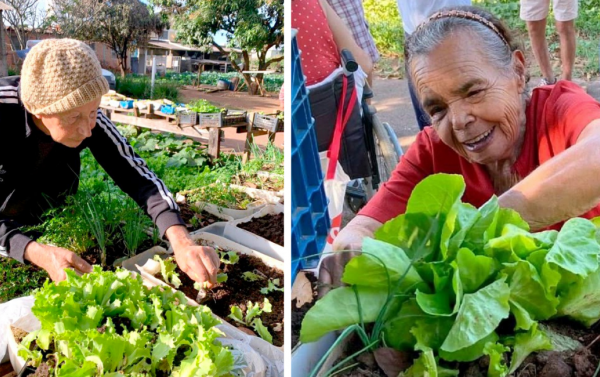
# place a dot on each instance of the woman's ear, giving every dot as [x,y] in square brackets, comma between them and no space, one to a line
[518,65]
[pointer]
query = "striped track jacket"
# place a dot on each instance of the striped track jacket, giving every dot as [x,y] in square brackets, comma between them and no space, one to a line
[37,173]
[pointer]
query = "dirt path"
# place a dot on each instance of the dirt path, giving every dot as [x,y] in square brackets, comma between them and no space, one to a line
[233,100]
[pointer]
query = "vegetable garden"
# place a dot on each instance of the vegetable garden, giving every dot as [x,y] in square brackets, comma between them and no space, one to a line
[447,289]
[121,320]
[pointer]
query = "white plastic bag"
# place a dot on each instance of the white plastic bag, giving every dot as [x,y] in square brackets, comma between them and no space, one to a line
[335,190]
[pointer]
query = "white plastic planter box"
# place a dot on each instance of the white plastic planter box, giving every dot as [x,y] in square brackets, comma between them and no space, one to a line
[270,197]
[148,275]
[245,238]
[233,213]
[306,356]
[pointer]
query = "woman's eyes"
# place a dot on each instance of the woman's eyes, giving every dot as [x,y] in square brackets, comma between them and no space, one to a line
[473,93]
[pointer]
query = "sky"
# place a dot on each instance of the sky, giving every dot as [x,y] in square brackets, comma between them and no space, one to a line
[220,38]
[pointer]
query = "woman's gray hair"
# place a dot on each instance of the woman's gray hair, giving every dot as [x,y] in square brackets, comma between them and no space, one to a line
[499,44]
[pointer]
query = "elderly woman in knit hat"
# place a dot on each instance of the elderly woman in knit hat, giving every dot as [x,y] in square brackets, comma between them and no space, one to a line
[48,116]
[536,151]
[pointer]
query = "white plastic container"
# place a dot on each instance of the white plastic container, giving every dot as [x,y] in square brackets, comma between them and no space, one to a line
[245,238]
[233,213]
[270,197]
[305,356]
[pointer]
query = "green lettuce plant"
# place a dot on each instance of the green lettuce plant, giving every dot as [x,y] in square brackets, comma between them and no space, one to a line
[110,324]
[440,278]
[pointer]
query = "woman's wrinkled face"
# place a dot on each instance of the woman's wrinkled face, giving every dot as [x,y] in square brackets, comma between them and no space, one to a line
[476,108]
[72,127]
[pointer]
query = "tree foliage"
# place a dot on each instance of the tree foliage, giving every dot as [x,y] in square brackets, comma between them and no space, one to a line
[122,24]
[25,20]
[249,24]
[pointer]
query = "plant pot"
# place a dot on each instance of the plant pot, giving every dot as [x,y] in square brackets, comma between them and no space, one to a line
[306,356]
[269,209]
[245,238]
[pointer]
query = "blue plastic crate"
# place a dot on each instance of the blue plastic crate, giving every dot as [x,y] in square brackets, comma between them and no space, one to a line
[310,219]
[126,104]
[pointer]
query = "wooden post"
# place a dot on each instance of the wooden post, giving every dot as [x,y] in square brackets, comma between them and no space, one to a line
[214,142]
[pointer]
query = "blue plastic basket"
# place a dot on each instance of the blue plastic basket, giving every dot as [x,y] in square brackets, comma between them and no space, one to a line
[126,104]
[310,219]
[167,109]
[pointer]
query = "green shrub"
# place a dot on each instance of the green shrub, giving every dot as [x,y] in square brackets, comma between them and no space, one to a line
[385,26]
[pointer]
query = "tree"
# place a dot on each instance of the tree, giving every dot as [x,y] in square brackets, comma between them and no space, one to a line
[25,19]
[3,63]
[252,25]
[122,24]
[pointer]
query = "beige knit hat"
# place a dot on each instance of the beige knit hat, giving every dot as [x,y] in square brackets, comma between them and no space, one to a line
[59,75]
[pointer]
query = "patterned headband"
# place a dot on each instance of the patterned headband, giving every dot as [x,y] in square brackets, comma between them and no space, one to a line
[467,15]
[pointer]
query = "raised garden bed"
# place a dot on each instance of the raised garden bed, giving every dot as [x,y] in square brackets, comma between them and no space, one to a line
[269,227]
[114,253]
[195,219]
[248,273]
[237,291]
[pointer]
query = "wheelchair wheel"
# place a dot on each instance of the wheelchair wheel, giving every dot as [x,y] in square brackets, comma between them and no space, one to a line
[387,155]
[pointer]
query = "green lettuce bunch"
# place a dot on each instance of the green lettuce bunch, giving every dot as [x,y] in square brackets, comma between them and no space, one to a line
[110,324]
[440,279]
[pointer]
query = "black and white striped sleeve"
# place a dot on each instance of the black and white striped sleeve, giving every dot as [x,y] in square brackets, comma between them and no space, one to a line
[131,173]
[9,95]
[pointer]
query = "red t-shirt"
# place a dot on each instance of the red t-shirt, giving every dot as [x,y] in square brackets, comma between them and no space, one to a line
[556,115]
[320,55]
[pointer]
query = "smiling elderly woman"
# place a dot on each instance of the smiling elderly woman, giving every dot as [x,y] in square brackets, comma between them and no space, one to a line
[539,153]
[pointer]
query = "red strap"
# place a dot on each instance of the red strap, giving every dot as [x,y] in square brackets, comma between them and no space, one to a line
[342,119]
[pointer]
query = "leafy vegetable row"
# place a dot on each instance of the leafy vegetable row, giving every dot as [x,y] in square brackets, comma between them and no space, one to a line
[110,324]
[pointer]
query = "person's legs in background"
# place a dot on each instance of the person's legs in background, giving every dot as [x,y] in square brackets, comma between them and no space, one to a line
[535,13]
[565,13]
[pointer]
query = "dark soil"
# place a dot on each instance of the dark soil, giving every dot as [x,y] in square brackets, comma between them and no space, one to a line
[196,220]
[113,252]
[299,313]
[269,227]
[582,362]
[579,363]
[237,291]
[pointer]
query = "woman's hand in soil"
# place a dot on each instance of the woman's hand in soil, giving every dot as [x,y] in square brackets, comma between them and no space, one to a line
[200,263]
[55,260]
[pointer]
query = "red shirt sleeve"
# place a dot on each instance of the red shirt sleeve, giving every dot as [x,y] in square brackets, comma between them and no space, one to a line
[567,110]
[391,199]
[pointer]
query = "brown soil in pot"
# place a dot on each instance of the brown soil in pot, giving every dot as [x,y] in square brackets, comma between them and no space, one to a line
[237,291]
[202,218]
[269,227]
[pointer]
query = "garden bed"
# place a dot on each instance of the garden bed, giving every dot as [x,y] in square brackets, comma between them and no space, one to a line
[270,227]
[237,291]
[114,252]
[195,220]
